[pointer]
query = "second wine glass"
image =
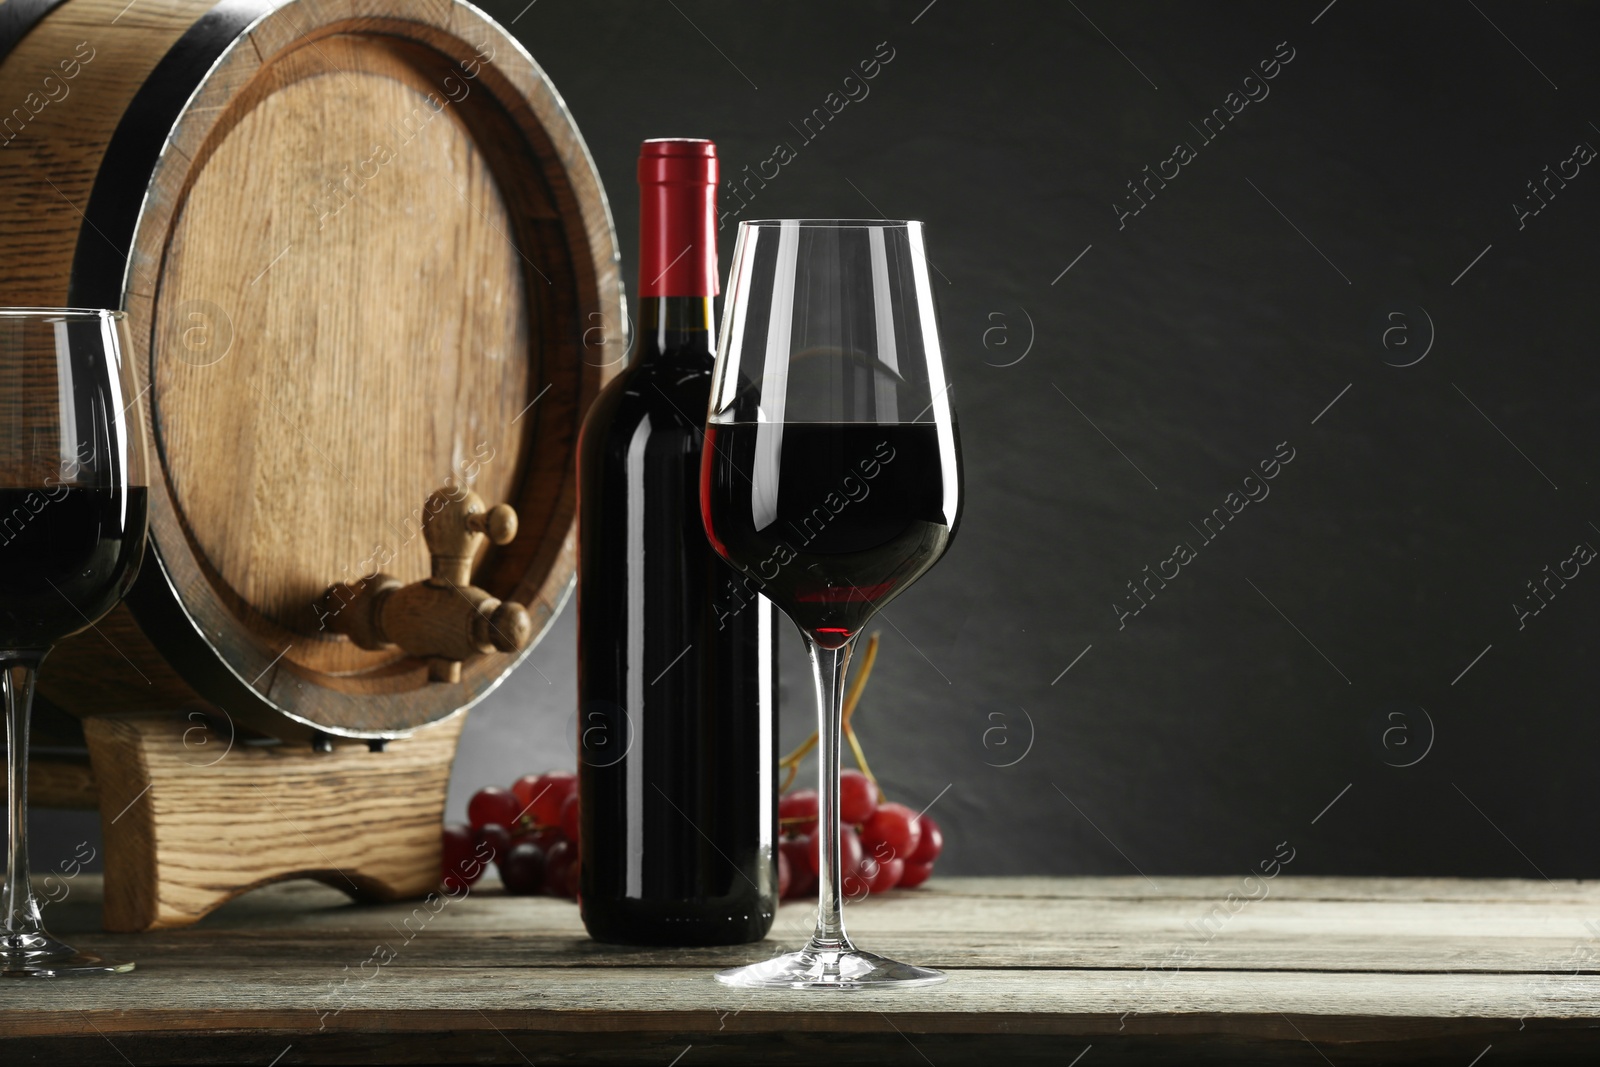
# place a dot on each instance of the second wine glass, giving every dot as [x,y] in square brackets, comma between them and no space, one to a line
[72,531]
[831,479]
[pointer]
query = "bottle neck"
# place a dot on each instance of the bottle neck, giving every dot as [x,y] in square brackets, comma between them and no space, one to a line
[675,325]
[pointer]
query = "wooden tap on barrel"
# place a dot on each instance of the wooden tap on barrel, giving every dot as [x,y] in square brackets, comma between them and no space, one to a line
[444,618]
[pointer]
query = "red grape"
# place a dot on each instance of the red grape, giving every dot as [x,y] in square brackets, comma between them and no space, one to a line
[802,879]
[799,805]
[491,804]
[569,817]
[544,837]
[556,861]
[554,789]
[930,843]
[895,826]
[571,882]
[525,788]
[858,797]
[857,882]
[496,839]
[888,875]
[522,869]
[915,874]
[849,851]
[783,874]
[455,855]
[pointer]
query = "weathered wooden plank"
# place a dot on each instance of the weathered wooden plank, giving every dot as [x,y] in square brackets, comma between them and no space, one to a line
[1284,887]
[1322,970]
[297,897]
[1215,889]
[400,997]
[1192,898]
[329,955]
[312,926]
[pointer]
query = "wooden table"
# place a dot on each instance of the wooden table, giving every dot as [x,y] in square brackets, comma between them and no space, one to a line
[1083,971]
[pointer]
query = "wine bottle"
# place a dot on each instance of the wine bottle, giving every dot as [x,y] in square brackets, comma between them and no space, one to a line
[677,678]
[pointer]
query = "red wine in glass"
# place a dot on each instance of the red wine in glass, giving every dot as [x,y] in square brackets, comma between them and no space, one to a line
[68,553]
[860,513]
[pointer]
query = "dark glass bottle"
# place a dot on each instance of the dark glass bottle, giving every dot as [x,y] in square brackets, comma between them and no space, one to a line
[677,680]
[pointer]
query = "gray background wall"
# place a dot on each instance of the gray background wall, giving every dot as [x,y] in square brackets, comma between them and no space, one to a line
[1319,641]
[1342,668]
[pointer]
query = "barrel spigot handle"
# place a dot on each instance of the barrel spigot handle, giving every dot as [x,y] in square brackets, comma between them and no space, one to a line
[444,618]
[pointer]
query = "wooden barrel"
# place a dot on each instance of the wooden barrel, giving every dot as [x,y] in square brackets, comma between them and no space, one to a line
[364,254]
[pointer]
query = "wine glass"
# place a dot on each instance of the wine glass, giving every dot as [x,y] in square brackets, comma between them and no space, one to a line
[831,479]
[72,529]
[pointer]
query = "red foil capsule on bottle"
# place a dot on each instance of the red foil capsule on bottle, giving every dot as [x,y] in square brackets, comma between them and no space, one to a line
[678,188]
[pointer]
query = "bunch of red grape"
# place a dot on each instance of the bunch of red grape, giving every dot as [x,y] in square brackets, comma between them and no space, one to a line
[529,831]
[881,846]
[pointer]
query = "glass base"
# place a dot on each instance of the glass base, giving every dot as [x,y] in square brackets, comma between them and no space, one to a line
[840,967]
[42,956]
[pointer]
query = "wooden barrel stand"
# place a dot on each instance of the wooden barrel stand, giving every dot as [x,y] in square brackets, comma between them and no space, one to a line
[194,812]
[192,816]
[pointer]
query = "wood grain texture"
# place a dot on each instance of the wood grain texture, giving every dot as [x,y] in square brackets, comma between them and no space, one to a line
[61,783]
[1354,970]
[373,258]
[193,816]
[379,335]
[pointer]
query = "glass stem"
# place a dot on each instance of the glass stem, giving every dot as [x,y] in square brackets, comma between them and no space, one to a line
[22,918]
[829,666]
